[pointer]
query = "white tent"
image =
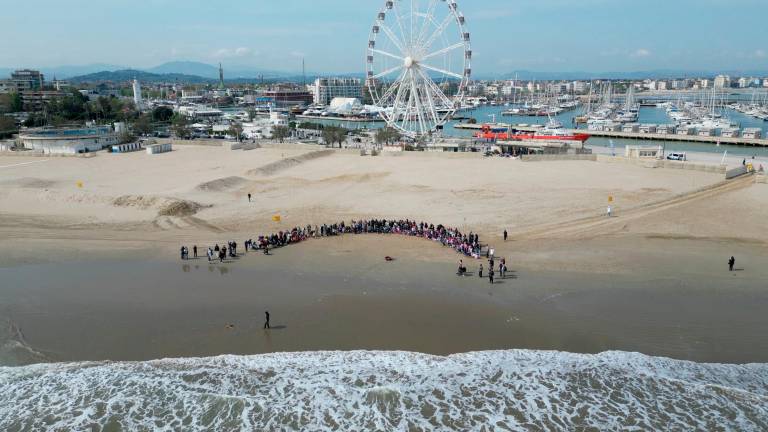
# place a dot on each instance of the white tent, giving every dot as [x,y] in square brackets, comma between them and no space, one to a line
[345,106]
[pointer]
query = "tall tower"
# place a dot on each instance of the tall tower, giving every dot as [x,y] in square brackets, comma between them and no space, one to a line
[221,77]
[137,99]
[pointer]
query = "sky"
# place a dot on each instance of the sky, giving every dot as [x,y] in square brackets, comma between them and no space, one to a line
[507,35]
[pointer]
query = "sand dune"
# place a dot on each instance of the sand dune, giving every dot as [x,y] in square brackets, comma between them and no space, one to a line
[285,164]
[222,185]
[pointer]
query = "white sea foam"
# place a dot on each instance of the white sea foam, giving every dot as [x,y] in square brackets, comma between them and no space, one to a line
[495,390]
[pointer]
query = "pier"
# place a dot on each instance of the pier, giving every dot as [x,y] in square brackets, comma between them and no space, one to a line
[716,140]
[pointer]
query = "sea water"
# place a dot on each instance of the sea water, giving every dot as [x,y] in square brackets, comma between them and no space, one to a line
[365,390]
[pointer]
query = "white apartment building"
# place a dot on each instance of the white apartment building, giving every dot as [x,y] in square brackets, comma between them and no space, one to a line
[580,87]
[326,89]
[722,81]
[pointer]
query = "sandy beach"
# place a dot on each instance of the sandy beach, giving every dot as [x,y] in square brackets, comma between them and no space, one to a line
[91,248]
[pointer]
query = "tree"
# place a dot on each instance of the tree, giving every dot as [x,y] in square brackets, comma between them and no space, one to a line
[126,137]
[7,126]
[143,125]
[334,134]
[280,133]
[162,114]
[236,130]
[17,105]
[387,135]
[181,127]
[5,103]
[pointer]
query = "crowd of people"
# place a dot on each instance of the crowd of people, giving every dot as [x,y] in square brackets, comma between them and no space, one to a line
[465,244]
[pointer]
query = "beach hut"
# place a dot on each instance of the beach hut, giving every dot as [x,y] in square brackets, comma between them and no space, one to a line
[127,148]
[159,148]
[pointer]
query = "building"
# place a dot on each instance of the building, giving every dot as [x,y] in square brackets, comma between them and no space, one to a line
[643,152]
[765,83]
[8,86]
[67,140]
[137,99]
[744,82]
[722,81]
[36,100]
[580,87]
[326,89]
[22,80]
[284,97]
[705,83]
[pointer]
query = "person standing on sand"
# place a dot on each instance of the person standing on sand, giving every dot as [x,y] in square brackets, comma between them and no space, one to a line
[480,272]
[194,250]
[609,211]
[731,263]
[490,275]
[266,323]
[505,235]
[249,197]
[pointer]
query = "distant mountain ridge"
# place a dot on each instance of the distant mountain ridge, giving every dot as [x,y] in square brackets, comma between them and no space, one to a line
[193,71]
[130,74]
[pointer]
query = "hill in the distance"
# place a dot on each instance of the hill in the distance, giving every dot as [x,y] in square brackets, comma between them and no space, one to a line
[130,74]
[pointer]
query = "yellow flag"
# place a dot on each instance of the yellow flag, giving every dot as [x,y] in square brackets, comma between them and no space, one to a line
[80,184]
[276,218]
[610,198]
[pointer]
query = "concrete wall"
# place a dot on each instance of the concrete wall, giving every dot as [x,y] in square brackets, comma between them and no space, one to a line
[67,146]
[736,172]
[656,163]
[556,157]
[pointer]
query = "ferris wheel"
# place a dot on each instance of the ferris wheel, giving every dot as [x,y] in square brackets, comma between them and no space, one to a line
[418,64]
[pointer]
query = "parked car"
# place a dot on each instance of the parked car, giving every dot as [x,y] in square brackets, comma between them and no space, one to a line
[677,157]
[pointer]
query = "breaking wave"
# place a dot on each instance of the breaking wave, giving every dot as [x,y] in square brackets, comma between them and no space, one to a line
[343,391]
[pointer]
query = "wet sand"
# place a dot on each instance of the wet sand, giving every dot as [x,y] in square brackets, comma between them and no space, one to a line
[339,294]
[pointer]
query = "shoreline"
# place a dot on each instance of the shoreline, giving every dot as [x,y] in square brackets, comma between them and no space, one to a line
[342,295]
[101,261]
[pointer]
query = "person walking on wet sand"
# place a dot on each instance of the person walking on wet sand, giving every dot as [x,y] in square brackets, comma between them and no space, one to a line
[194,250]
[266,323]
[490,275]
[249,197]
[480,271]
[731,263]
[505,235]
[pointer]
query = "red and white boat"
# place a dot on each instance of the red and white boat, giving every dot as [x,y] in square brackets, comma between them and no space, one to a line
[553,131]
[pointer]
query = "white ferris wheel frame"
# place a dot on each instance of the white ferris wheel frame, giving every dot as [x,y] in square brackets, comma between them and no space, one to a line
[413,103]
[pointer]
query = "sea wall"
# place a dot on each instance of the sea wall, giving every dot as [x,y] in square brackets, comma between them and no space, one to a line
[559,157]
[655,163]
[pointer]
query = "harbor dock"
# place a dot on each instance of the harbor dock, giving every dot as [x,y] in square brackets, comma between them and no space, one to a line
[716,140]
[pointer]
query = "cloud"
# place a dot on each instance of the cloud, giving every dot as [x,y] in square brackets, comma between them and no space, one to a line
[233,52]
[760,53]
[642,52]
